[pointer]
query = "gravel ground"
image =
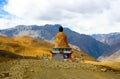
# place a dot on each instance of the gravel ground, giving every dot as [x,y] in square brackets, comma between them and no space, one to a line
[43,69]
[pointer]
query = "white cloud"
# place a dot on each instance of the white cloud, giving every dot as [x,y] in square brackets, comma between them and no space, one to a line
[54,9]
[84,16]
[114,13]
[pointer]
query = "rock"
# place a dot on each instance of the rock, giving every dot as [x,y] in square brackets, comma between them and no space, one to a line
[4,74]
[1,75]
[31,70]
[104,69]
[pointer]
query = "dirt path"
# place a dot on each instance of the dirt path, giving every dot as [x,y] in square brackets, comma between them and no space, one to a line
[38,69]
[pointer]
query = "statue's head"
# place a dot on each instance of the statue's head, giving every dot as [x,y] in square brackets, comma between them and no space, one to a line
[60,29]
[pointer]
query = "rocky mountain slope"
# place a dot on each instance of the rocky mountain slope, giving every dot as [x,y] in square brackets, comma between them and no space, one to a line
[110,39]
[47,32]
[112,54]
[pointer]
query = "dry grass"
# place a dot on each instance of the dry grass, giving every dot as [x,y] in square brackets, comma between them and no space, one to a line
[113,65]
[27,46]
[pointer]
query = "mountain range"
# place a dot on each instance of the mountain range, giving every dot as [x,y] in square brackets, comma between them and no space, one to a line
[113,40]
[110,39]
[47,32]
[112,54]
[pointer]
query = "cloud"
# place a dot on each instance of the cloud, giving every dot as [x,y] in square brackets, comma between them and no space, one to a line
[54,9]
[83,16]
[114,12]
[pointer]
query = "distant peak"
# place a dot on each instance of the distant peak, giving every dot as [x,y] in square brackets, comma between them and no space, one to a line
[20,26]
[56,25]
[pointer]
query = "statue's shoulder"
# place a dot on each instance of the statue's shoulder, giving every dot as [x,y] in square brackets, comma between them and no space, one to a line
[60,34]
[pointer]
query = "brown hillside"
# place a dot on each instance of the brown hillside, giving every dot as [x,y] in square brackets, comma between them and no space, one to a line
[28,46]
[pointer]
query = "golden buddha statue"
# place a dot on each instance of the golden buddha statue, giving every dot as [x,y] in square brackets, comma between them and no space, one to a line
[61,39]
[61,50]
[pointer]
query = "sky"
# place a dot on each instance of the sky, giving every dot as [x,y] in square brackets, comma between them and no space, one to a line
[83,16]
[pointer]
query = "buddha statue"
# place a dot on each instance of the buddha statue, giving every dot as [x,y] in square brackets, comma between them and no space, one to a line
[61,39]
[61,50]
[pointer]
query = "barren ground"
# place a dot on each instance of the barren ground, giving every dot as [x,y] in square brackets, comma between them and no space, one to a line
[43,69]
